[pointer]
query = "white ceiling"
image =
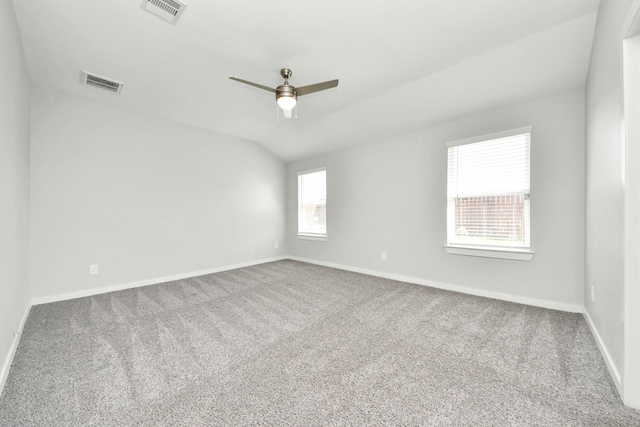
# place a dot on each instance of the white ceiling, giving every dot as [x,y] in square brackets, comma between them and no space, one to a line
[402,65]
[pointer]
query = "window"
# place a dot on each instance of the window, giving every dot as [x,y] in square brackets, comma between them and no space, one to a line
[488,192]
[312,204]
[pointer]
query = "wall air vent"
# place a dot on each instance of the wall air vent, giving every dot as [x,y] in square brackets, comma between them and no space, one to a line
[101,82]
[169,10]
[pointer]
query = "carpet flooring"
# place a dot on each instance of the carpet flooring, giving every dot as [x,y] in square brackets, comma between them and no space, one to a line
[294,344]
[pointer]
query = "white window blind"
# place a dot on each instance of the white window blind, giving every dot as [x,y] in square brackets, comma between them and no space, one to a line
[488,191]
[312,203]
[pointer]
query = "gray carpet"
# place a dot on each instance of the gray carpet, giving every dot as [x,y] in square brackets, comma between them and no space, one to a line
[288,343]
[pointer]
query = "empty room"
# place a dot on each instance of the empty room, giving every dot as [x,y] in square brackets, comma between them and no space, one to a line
[310,214]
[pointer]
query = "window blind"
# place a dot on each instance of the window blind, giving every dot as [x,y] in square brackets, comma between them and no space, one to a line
[312,203]
[488,192]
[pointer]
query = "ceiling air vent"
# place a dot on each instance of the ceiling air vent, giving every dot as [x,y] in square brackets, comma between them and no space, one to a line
[101,82]
[169,10]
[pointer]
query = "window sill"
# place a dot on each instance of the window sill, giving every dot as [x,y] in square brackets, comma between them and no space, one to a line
[514,254]
[312,237]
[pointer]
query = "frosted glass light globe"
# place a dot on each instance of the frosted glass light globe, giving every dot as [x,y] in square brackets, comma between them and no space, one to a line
[286,102]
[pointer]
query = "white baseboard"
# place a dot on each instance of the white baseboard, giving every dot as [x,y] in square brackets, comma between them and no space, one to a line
[613,372]
[146,282]
[8,360]
[554,305]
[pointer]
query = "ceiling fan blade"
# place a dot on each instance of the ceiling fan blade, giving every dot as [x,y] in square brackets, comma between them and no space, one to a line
[253,84]
[304,90]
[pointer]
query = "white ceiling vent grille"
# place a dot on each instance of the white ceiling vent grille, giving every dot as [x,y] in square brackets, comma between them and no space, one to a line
[101,82]
[169,10]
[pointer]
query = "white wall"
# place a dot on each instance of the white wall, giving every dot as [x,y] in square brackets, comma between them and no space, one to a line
[14,183]
[605,186]
[143,197]
[391,196]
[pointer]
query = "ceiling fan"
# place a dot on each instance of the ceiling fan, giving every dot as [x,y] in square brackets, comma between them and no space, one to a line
[286,94]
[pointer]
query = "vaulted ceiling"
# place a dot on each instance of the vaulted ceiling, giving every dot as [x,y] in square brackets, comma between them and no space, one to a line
[402,65]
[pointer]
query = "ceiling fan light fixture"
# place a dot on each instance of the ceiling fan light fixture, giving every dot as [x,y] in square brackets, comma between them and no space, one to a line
[286,96]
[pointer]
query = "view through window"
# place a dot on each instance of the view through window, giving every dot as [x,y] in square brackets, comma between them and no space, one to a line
[312,203]
[488,191]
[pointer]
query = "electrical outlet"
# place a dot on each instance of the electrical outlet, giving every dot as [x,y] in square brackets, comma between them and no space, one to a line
[383,256]
[93,269]
[276,245]
[593,293]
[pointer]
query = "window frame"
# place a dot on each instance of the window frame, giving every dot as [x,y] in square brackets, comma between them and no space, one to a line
[502,252]
[306,235]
